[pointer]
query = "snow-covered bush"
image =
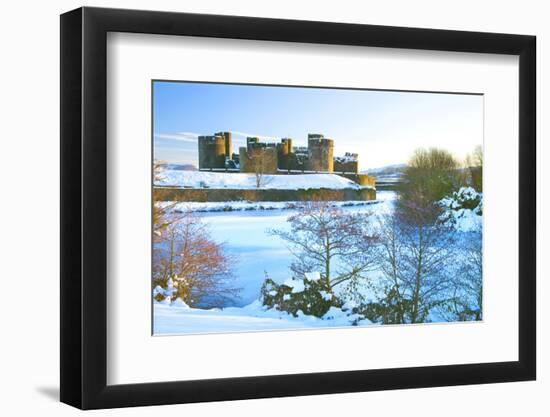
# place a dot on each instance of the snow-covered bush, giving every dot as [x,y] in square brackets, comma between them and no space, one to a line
[178,302]
[310,294]
[161,294]
[464,198]
[463,210]
[326,238]
[392,309]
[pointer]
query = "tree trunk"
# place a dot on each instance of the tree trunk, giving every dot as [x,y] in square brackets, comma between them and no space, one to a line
[418,278]
[327,261]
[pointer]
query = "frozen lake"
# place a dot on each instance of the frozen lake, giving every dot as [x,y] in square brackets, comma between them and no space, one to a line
[245,235]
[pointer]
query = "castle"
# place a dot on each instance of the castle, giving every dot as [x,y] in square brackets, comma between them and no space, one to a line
[216,153]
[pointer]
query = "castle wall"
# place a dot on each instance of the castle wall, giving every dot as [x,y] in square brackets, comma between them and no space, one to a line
[256,159]
[219,195]
[349,166]
[244,160]
[296,163]
[364,180]
[284,151]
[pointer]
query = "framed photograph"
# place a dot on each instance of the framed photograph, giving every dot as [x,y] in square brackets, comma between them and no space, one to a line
[257,208]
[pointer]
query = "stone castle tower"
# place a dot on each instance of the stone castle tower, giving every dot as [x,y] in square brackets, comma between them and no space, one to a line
[215,150]
[321,153]
[284,151]
[228,143]
[211,152]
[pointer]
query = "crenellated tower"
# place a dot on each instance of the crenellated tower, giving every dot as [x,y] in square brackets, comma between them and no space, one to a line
[320,152]
[212,151]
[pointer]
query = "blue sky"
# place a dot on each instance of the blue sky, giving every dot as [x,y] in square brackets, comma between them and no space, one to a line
[383,127]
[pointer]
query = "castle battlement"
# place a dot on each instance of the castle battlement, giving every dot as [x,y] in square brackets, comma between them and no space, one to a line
[216,152]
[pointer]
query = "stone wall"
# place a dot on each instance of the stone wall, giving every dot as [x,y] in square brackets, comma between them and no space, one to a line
[365,180]
[348,166]
[219,195]
[258,160]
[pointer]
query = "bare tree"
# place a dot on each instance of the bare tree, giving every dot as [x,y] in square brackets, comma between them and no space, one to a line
[467,300]
[325,239]
[430,175]
[414,260]
[474,165]
[259,162]
[473,274]
[428,251]
[199,267]
[162,217]
[390,262]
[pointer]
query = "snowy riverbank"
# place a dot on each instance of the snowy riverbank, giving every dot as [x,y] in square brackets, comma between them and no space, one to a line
[225,206]
[244,181]
[179,318]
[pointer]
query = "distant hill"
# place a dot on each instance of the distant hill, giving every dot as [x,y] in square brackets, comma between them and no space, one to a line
[388,173]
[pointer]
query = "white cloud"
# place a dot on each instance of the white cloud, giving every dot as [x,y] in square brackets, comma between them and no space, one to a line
[245,135]
[181,136]
[192,136]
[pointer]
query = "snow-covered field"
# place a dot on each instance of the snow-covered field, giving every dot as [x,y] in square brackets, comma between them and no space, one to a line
[217,180]
[258,205]
[243,229]
[179,318]
[244,234]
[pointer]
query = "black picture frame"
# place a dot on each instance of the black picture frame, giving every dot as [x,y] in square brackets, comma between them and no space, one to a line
[84,207]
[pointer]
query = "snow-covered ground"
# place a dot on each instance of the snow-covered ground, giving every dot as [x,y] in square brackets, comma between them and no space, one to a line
[179,318]
[217,180]
[257,252]
[243,228]
[244,234]
[253,205]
